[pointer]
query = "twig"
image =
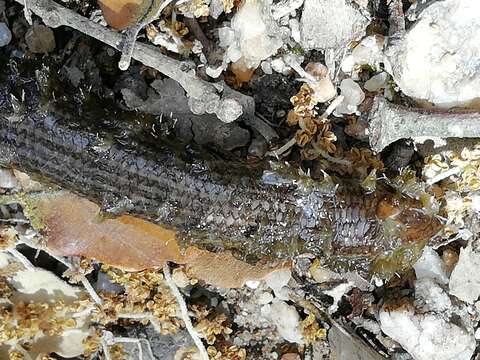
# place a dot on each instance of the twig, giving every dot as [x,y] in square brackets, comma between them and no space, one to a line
[396,18]
[277,153]
[86,284]
[132,34]
[21,258]
[184,312]
[27,12]
[453,171]
[55,15]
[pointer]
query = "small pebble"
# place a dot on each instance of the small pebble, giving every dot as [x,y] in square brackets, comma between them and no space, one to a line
[376,82]
[40,39]
[180,278]
[5,34]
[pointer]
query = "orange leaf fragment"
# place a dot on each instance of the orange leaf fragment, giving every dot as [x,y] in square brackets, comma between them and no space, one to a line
[120,14]
[223,270]
[75,227]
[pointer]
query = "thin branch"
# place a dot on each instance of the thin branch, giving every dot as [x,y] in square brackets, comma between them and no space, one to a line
[55,15]
[22,259]
[83,279]
[184,312]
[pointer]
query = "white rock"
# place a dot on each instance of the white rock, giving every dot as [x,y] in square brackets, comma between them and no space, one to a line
[253,34]
[437,60]
[376,82]
[277,280]
[431,297]
[330,24]
[431,266]
[266,67]
[465,279]
[180,278]
[279,65]
[368,52]
[286,319]
[8,179]
[427,336]
[265,298]
[353,96]
[295,30]
[321,274]
[5,34]
[229,110]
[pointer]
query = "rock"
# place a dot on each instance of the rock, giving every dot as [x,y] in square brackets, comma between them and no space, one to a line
[277,280]
[5,34]
[40,39]
[8,179]
[337,293]
[346,346]
[286,319]
[376,82]
[180,278]
[167,98]
[464,281]
[436,61]
[353,96]
[330,24]
[368,52]
[429,296]
[431,266]
[253,34]
[429,327]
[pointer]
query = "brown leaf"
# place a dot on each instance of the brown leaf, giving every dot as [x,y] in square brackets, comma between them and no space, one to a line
[120,14]
[223,270]
[74,226]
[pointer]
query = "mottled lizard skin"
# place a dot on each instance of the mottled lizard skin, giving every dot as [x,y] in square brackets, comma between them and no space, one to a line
[258,215]
[228,206]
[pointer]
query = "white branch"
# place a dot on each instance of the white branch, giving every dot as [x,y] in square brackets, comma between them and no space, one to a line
[184,312]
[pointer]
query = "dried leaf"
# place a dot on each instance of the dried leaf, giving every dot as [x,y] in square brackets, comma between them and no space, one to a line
[74,226]
[223,270]
[121,14]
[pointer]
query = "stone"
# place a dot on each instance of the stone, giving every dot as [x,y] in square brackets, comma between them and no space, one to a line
[330,24]
[464,281]
[277,280]
[347,346]
[376,82]
[40,39]
[286,319]
[353,96]
[253,34]
[427,336]
[436,61]
[8,179]
[431,266]
[430,326]
[368,52]
[5,34]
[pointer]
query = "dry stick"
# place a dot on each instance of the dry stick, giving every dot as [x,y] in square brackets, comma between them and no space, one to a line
[132,34]
[389,122]
[27,12]
[184,311]
[396,18]
[55,15]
